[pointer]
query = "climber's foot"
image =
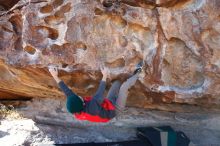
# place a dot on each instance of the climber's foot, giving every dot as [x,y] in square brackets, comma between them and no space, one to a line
[139,67]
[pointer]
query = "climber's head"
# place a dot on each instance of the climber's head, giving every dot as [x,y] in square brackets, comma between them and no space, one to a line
[74,104]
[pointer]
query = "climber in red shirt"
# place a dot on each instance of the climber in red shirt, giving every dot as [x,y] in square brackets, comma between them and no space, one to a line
[97,108]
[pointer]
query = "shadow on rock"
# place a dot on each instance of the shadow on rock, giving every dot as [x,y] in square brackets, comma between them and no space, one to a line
[2,134]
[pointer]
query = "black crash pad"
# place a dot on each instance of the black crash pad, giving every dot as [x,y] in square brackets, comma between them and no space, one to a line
[123,143]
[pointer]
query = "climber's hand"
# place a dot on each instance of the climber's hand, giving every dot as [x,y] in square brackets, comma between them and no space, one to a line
[155,88]
[53,71]
[105,72]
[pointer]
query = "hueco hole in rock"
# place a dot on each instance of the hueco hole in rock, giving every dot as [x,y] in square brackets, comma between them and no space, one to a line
[173,46]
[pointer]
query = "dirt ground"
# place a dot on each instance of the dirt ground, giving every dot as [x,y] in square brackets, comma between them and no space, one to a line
[45,121]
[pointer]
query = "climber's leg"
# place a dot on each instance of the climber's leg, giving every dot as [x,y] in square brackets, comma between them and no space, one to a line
[113,91]
[123,92]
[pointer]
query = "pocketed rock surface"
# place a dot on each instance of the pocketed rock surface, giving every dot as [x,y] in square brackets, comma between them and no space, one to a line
[179,41]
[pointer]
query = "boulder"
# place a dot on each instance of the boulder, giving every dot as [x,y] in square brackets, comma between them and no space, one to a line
[179,41]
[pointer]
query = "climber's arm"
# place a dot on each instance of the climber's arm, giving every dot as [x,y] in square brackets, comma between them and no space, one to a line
[62,85]
[100,92]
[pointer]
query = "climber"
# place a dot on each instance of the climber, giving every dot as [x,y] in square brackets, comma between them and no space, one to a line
[97,108]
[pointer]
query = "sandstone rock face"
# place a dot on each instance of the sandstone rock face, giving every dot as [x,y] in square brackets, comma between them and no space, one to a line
[179,41]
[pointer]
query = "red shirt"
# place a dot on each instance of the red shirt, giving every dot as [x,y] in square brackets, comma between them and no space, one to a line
[107,105]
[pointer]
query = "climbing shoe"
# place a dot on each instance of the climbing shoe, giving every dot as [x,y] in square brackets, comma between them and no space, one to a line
[139,67]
